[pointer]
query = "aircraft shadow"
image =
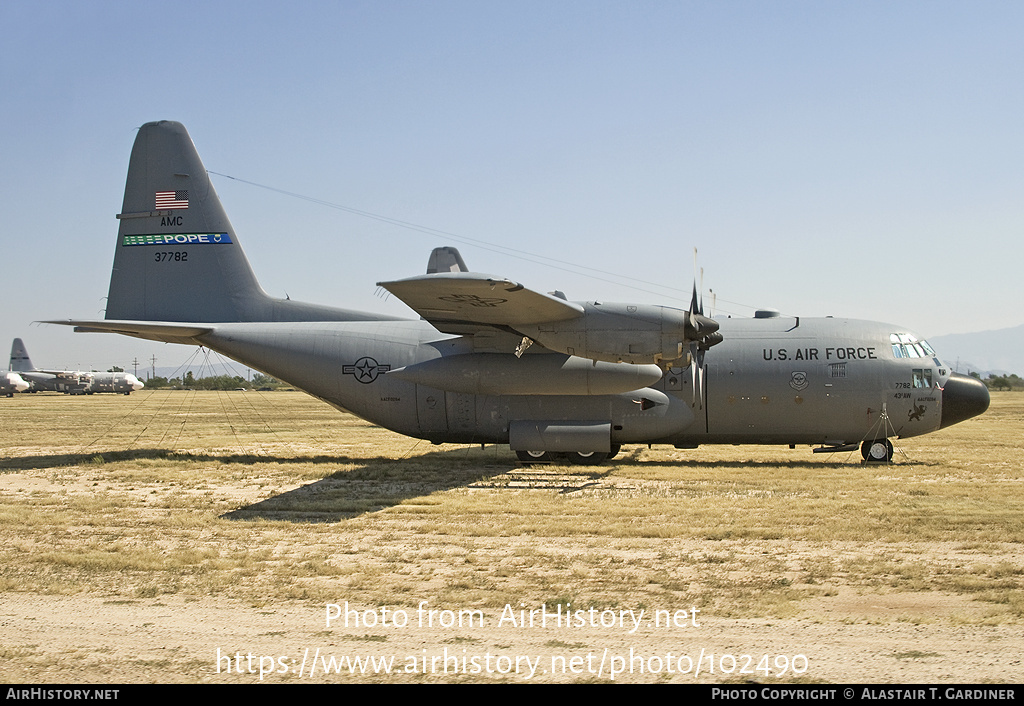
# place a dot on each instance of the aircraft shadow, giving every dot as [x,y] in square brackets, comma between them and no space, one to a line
[378,483]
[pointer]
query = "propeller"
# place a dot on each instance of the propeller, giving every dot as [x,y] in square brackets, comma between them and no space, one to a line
[705,335]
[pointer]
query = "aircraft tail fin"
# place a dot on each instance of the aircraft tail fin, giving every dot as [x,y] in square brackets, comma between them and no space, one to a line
[177,257]
[20,362]
[445,259]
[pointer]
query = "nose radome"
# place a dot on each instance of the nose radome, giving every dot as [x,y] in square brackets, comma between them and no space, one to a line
[963,397]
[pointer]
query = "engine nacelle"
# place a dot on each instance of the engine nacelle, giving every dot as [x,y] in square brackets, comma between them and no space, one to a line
[624,333]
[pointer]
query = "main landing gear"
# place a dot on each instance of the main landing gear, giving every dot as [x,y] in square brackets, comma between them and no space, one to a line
[574,457]
[877,451]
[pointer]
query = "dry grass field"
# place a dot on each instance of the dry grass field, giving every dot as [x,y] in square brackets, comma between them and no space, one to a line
[202,537]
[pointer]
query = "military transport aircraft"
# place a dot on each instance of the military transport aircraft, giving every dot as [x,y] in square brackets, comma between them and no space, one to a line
[70,382]
[11,383]
[494,362]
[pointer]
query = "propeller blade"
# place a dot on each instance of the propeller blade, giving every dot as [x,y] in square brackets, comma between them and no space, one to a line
[693,372]
[697,374]
[693,300]
[701,309]
[693,308]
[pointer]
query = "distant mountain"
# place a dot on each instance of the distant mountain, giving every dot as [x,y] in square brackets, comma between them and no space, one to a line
[1000,352]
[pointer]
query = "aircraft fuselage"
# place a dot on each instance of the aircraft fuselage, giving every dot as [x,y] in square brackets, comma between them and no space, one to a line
[779,380]
[81,382]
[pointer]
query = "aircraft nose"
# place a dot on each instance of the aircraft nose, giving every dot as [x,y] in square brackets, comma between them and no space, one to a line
[136,383]
[963,397]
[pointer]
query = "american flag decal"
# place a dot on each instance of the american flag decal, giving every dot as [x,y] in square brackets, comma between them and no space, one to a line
[166,200]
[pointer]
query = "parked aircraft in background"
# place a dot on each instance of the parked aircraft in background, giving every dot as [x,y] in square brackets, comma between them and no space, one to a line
[494,362]
[11,383]
[72,382]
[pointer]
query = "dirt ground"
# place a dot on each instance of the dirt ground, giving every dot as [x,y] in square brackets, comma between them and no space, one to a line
[143,570]
[90,639]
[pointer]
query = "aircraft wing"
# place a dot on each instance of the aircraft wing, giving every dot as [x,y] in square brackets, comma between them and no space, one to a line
[151,330]
[467,302]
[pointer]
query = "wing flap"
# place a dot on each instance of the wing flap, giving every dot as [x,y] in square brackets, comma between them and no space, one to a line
[464,302]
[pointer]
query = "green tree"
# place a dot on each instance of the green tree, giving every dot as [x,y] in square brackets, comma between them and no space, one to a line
[1004,382]
[261,380]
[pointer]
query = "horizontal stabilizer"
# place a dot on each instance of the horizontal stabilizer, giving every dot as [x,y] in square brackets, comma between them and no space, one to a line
[150,330]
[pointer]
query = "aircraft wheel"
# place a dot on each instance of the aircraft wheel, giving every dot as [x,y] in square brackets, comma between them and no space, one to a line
[585,458]
[614,452]
[877,451]
[533,456]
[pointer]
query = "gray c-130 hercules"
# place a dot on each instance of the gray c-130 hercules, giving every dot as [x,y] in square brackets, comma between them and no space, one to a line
[491,361]
[70,382]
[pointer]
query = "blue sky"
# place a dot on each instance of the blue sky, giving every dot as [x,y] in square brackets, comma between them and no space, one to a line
[859,159]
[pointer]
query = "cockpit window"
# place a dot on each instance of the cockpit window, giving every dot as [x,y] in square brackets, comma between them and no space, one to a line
[906,345]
